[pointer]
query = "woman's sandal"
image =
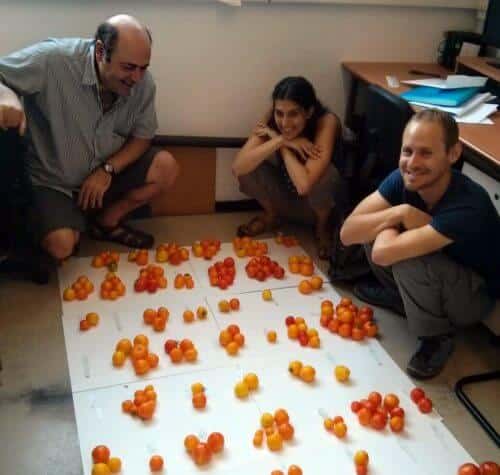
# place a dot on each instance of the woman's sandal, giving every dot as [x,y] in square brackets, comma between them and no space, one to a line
[121,234]
[257,225]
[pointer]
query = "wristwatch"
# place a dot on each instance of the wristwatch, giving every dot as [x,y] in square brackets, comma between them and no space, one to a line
[109,168]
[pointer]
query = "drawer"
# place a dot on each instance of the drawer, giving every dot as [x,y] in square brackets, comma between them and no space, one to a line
[491,185]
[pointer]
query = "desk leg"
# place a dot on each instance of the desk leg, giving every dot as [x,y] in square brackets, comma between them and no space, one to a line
[351,102]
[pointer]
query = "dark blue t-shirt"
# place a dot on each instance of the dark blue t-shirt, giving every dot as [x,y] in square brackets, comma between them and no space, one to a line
[464,214]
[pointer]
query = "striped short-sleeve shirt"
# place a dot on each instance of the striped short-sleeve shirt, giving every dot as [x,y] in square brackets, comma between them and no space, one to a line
[68,134]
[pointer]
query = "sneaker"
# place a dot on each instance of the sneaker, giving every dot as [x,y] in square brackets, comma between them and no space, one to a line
[374,293]
[430,357]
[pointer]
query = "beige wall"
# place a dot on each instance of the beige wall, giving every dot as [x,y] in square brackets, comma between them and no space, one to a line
[215,65]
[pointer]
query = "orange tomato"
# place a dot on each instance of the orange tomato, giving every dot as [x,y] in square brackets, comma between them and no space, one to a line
[201,454]
[156,463]
[216,442]
[190,442]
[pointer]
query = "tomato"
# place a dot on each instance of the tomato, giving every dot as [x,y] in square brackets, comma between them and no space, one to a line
[202,454]
[416,394]
[215,441]
[489,468]
[100,454]
[355,406]
[289,321]
[425,405]
[397,412]
[229,262]
[468,469]
[376,398]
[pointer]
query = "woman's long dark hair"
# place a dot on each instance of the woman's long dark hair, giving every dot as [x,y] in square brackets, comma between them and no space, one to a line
[300,91]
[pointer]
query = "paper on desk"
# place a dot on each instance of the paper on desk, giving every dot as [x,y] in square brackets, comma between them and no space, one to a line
[453,81]
[478,115]
[464,108]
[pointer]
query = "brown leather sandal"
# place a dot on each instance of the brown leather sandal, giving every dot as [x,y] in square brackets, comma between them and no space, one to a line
[257,225]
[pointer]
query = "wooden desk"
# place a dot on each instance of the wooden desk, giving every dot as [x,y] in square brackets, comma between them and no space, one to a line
[482,140]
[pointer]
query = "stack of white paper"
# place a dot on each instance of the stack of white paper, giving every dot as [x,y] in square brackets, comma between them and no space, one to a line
[474,111]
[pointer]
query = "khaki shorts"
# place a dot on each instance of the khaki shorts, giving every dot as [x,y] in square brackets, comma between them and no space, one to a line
[53,209]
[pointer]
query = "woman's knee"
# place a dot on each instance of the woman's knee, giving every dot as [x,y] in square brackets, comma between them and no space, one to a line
[61,243]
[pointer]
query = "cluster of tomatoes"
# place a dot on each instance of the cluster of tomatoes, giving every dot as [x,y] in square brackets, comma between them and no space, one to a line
[143,405]
[304,372]
[250,382]
[90,320]
[107,259]
[139,256]
[485,468]
[222,273]
[248,247]
[287,241]
[201,452]
[347,320]
[375,412]
[361,460]
[112,287]
[307,286]
[292,470]
[103,463]
[151,278]
[424,403]
[277,428]
[199,398]
[142,359]
[262,267]
[80,289]
[232,339]
[297,329]
[171,253]
[206,248]
[302,265]
[156,318]
[225,306]
[189,316]
[183,350]
[182,281]
[336,426]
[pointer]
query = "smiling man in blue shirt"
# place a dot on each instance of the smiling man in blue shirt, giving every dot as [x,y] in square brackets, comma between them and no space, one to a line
[87,106]
[432,238]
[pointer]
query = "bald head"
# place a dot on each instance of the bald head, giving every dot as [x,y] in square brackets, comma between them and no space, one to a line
[123,31]
[122,53]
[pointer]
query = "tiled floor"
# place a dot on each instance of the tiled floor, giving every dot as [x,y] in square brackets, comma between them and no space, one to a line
[37,426]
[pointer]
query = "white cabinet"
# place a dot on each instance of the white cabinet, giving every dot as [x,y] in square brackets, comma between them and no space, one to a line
[491,185]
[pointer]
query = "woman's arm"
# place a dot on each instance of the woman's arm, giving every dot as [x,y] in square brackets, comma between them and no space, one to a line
[305,175]
[254,152]
[261,145]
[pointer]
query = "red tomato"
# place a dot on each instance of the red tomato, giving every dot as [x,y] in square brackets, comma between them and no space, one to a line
[355,406]
[289,321]
[397,412]
[416,394]
[489,468]
[425,405]
[378,421]
[279,272]
[375,398]
[229,262]
[140,285]
[468,469]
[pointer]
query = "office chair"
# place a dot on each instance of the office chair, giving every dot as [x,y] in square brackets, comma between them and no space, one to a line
[380,137]
[20,256]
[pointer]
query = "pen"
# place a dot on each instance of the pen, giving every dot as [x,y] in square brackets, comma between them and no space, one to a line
[424,73]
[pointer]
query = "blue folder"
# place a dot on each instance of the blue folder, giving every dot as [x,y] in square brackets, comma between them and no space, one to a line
[440,97]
